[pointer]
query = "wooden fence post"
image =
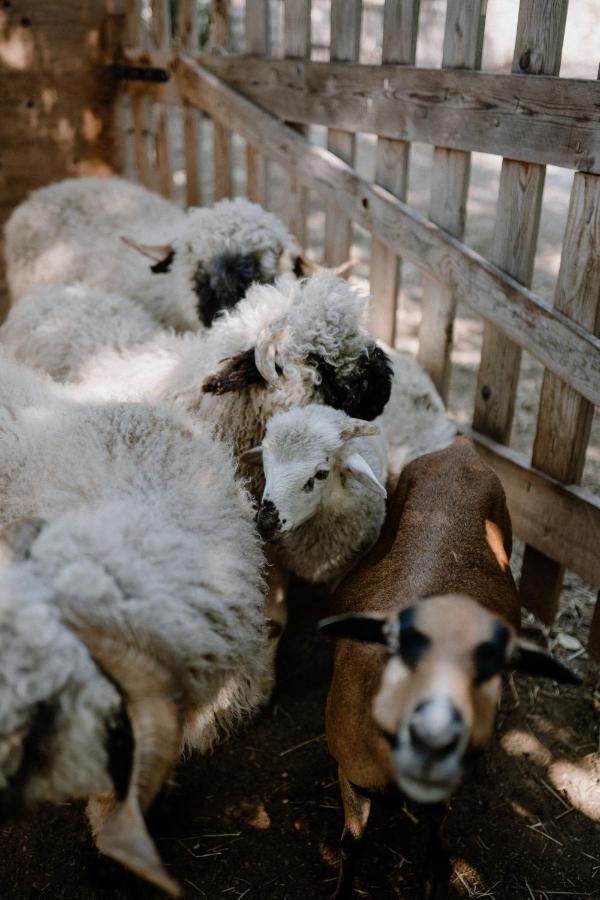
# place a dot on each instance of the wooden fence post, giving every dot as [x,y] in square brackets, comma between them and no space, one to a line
[400,26]
[161,39]
[297,45]
[345,46]
[187,30]
[538,49]
[257,41]
[463,43]
[565,417]
[137,36]
[220,35]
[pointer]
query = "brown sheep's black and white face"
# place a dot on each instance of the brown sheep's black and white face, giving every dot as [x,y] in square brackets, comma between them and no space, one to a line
[440,687]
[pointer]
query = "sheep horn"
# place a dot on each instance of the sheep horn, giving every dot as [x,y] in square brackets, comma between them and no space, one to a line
[155,252]
[264,353]
[153,687]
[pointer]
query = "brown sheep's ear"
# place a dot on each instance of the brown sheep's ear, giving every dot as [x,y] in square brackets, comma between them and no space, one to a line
[253,457]
[526,657]
[370,629]
[235,374]
[161,254]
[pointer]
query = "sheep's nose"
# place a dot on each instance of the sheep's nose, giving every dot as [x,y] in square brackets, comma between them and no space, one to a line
[436,727]
[267,520]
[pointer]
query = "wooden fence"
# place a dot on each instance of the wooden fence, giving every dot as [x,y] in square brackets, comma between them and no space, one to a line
[530,117]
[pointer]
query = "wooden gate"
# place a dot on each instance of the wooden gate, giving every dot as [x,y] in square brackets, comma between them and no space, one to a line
[530,117]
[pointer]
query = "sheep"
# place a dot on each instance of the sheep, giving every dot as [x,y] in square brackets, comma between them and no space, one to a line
[323,502]
[184,269]
[436,609]
[131,604]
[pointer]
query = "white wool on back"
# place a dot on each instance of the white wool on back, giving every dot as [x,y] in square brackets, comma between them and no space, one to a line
[71,231]
[147,529]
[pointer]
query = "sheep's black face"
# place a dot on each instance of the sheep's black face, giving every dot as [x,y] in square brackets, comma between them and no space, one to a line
[361,392]
[223,281]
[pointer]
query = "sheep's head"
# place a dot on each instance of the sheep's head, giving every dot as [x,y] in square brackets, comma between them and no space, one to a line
[221,251]
[318,350]
[307,456]
[440,685]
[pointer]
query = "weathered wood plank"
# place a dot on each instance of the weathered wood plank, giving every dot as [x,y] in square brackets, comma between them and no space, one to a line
[296,26]
[161,39]
[540,32]
[345,45]
[257,41]
[137,37]
[556,341]
[565,417]
[463,44]
[220,34]
[400,26]
[551,516]
[187,32]
[507,115]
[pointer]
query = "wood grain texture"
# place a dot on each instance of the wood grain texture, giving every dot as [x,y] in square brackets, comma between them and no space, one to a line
[188,39]
[344,46]
[400,27]
[257,42]
[160,34]
[220,36]
[137,36]
[551,516]
[538,49]
[507,115]
[463,45]
[551,337]
[565,417]
[296,38]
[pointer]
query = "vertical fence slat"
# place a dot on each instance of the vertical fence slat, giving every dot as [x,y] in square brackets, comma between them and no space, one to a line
[345,45]
[296,27]
[400,25]
[220,34]
[463,43]
[187,29]
[538,48]
[161,38]
[565,417]
[137,37]
[257,41]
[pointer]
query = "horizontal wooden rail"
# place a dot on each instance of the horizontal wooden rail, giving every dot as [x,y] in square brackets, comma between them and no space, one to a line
[561,521]
[531,118]
[558,343]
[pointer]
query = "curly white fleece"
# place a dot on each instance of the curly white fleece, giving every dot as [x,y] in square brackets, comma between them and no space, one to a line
[147,529]
[71,231]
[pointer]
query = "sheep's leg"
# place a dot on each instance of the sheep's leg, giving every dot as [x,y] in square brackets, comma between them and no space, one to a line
[276,609]
[436,867]
[356,815]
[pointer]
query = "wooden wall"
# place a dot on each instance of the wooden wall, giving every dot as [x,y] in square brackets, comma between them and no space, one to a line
[56,99]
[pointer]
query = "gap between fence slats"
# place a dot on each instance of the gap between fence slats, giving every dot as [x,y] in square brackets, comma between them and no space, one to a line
[565,417]
[400,27]
[161,39]
[556,518]
[187,29]
[257,41]
[220,36]
[296,27]
[463,44]
[345,46]
[551,337]
[538,49]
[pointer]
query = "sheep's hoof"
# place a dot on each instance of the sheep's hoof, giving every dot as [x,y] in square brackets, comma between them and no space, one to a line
[124,838]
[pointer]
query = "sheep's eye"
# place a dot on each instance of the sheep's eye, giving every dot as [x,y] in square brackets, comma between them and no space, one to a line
[322,474]
[309,485]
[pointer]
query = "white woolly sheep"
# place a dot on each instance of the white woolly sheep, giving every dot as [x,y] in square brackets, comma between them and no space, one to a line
[191,267]
[150,560]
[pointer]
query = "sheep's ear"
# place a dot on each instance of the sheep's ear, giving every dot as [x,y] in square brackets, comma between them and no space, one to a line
[161,254]
[358,428]
[360,469]
[526,657]
[17,539]
[369,629]
[253,457]
[303,267]
[235,374]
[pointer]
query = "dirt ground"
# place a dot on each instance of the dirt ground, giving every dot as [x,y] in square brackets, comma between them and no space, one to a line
[262,817]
